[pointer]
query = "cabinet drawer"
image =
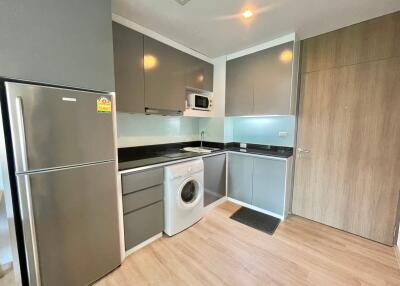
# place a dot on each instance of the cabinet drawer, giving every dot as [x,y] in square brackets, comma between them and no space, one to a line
[142,180]
[142,224]
[139,199]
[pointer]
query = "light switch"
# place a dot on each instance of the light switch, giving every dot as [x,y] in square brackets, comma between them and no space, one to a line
[283,134]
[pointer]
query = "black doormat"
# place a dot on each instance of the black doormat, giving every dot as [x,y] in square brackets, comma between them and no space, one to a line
[257,220]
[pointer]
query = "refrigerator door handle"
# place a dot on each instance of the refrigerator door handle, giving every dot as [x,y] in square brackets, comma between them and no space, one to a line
[21,133]
[25,196]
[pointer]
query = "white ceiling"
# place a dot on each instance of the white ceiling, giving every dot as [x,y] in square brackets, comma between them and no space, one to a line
[215,28]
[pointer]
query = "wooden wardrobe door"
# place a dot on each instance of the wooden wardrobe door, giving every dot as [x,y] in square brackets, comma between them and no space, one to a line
[349,120]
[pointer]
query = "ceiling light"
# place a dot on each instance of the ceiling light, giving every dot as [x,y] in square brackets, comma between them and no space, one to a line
[247,14]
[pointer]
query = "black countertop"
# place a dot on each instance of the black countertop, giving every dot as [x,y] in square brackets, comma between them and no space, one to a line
[154,160]
[136,157]
[264,152]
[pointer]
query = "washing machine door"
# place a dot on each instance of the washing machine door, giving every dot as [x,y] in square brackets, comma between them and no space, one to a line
[190,193]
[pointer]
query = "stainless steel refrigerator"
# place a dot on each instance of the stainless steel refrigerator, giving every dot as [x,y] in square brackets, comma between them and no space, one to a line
[65,170]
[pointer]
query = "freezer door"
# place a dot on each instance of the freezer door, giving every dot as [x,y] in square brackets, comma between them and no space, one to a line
[54,127]
[70,223]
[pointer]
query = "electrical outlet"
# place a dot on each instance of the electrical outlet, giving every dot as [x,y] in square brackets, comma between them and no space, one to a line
[243,145]
[283,134]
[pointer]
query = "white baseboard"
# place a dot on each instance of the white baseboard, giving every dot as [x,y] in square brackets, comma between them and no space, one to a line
[255,208]
[214,205]
[143,244]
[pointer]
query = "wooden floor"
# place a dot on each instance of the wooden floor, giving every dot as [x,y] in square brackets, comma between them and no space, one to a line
[221,251]
[8,279]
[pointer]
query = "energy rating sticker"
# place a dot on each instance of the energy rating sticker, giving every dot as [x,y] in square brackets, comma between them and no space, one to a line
[103,104]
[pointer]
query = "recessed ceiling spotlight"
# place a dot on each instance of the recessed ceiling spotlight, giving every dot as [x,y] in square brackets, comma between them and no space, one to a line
[247,14]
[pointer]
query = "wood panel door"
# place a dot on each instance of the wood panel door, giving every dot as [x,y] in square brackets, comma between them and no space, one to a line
[349,121]
[347,171]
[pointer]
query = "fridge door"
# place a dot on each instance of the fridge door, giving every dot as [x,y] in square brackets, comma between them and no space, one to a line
[70,223]
[55,127]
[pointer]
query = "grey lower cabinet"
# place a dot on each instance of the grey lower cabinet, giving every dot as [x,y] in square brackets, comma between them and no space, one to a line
[143,224]
[67,43]
[142,205]
[260,182]
[240,177]
[262,83]
[269,184]
[128,67]
[214,178]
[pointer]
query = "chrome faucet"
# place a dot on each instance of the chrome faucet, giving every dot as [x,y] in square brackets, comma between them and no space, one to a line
[201,139]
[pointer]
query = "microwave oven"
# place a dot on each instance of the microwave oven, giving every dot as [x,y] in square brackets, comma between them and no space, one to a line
[199,102]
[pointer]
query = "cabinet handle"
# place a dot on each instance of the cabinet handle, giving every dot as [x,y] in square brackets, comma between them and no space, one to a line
[21,134]
[300,150]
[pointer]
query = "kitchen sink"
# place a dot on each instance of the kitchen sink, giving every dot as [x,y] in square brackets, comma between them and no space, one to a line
[205,150]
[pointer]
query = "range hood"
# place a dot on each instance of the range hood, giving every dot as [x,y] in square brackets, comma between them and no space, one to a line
[153,111]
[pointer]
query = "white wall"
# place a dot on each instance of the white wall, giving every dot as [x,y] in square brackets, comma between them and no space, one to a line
[398,238]
[5,243]
[1,179]
[219,87]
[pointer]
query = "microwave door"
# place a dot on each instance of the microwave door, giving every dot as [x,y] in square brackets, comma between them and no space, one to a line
[201,102]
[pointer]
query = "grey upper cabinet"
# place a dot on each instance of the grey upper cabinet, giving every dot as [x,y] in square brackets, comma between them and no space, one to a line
[199,74]
[272,76]
[168,72]
[151,75]
[262,83]
[240,177]
[239,87]
[164,76]
[40,42]
[269,179]
[128,66]
[214,178]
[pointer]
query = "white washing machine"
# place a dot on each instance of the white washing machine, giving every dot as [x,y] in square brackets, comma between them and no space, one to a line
[183,195]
